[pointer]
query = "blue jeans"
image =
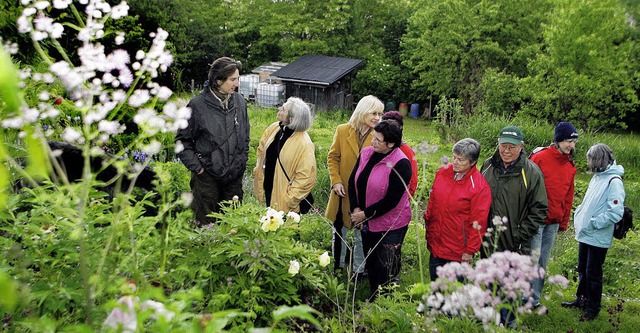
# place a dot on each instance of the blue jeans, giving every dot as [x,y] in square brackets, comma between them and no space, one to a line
[543,241]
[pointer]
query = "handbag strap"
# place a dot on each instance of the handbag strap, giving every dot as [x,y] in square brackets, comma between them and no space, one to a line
[289,179]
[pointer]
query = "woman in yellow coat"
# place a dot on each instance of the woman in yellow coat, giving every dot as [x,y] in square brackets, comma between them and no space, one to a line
[285,171]
[348,141]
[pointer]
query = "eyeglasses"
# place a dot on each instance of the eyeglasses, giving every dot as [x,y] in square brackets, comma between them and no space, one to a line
[375,138]
[509,148]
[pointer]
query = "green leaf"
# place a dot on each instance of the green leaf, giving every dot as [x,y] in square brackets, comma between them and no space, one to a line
[4,176]
[8,291]
[37,157]
[299,311]
[9,90]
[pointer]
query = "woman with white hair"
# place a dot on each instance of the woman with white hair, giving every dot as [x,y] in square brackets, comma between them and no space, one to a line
[348,141]
[285,170]
[594,219]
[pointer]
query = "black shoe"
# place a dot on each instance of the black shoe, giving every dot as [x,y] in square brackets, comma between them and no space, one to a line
[577,303]
[588,316]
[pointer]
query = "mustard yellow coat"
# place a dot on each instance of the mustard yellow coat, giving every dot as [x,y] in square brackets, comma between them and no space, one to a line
[342,157]
[298,158]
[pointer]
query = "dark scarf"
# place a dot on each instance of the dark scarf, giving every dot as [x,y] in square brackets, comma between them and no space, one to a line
[271,160]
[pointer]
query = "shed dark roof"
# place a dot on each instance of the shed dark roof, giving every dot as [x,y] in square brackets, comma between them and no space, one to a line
[317,69]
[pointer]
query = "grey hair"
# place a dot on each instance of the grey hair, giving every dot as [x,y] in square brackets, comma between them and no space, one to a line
[299,115]
[599,157]
[468,148]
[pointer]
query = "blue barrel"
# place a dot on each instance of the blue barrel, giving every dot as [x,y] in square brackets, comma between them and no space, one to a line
[415,110]
[390,106]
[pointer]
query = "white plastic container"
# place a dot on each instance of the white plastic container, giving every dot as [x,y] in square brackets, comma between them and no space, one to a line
[269,95]
[248,85]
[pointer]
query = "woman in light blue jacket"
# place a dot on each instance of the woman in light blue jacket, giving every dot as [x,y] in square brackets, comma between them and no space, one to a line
[594,219]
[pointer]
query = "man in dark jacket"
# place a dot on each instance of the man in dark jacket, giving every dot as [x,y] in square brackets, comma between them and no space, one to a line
[519,201]
[215,144]
[518,192]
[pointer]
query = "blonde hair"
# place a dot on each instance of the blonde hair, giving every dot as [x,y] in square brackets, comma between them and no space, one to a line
[368,104]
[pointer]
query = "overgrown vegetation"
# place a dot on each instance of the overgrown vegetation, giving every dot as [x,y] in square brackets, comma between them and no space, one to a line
[82,254]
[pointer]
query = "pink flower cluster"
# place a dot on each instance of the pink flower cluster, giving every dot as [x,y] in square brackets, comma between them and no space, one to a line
[502,280]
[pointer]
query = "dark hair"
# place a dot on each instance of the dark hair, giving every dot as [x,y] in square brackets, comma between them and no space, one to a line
[393,115]
[221,69]
[391,132]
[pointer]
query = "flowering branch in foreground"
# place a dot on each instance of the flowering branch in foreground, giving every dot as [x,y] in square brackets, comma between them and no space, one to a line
[500,281]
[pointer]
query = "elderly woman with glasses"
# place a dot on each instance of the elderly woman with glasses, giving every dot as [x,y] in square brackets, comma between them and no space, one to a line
[380,204]
[285,170]
[594,219]
[458,209]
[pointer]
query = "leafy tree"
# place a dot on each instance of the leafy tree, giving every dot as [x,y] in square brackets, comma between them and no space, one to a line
[586,73]
[450,44]
[377,29]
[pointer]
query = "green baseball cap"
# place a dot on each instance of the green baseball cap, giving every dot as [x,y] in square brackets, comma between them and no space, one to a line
[511,134]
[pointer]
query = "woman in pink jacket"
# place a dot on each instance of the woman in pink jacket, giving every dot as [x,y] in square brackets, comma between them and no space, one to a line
[458,209]
[380,204]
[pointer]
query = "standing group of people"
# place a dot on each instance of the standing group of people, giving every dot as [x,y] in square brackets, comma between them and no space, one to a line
[373,175]
[526,201]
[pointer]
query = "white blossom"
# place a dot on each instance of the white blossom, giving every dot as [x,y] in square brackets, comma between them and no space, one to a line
[152,148]
[120,10]
[110,127]
[71,135]
[61,4]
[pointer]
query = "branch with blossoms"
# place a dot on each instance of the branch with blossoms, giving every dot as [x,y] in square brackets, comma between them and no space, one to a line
[99,82]
[502,281]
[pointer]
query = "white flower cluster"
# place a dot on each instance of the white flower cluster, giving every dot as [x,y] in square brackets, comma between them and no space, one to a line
[102,81]
[126,315]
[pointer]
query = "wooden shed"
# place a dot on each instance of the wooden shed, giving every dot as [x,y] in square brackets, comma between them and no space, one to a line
[323,81]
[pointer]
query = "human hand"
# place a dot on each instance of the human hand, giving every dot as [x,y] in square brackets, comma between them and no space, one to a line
[338,188]
[358,218]
[467,257]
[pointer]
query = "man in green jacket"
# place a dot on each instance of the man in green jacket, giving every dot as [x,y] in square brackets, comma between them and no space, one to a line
[519,205]
[519,195]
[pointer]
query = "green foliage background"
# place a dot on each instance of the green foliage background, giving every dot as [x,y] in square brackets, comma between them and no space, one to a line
[551,59]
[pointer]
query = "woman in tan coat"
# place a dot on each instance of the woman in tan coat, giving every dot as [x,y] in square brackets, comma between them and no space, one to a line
[285,170]
[348,142]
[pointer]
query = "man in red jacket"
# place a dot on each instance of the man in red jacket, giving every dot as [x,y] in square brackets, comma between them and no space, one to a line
[556,163]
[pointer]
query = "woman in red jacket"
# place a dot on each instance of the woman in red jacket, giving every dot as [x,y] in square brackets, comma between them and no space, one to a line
[559,170]
[458,209]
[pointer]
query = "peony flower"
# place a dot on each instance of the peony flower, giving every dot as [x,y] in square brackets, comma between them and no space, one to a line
[294,216]
[324,259]
[272,220]
[294,267]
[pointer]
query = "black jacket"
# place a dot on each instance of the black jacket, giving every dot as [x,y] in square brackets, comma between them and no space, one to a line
[217,138]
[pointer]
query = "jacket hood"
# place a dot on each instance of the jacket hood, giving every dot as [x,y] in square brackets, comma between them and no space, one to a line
[613,170]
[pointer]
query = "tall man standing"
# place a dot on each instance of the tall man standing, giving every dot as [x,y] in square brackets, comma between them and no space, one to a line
[215,144]
[519,196]
[556,164]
